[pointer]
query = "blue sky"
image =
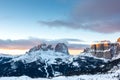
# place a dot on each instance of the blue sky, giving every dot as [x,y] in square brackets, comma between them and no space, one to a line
[85,20]
[20,17]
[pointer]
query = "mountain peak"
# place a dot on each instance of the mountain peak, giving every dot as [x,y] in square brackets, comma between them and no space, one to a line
[44,52]
[61,47]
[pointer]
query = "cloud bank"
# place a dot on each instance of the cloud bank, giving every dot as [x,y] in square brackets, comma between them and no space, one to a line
[101,16]
[24,44]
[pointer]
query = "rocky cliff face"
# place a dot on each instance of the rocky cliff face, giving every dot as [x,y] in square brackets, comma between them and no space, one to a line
[118,40]
[61,47]
[106,49]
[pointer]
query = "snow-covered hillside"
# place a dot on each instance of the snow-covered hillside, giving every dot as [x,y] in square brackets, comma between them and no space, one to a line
[44,61]
[113,74]
[109,76]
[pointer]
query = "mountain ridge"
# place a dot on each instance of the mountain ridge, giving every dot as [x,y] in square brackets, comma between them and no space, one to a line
[43,62]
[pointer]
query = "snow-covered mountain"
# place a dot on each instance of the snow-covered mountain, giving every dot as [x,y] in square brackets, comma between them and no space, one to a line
[47,61]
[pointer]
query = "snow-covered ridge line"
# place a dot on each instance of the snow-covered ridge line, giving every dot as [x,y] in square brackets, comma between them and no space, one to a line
[45,62]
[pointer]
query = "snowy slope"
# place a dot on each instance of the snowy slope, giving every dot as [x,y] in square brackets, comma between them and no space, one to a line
[42,62]
[6,56]
[49,56]
[110,76]
[114,74]
[50,64]
[90,55]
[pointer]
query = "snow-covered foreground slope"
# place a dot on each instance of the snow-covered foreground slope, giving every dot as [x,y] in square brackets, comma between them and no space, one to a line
[43,62]
[109,76]
[49,56]
[113,74]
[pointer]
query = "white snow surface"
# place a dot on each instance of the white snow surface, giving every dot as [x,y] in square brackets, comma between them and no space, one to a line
[90,55]
[50,56]
[47,56]
[6,55]
[109,76]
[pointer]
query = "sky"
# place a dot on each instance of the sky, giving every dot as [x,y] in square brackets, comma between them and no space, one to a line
[78,23]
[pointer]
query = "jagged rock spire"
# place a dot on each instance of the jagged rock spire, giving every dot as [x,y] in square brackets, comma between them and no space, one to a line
[118,40]
[61,47]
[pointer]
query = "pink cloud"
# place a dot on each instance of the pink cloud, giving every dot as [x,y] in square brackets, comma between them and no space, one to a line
[24,44]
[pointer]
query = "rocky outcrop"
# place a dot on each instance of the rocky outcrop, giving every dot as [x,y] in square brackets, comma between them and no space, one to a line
[43,47]
[118,40]
[61,47]
[36,48]
[118,45]
[105,49]
[49,47]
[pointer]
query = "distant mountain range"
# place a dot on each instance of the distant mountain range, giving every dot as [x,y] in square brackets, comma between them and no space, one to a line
[48,61]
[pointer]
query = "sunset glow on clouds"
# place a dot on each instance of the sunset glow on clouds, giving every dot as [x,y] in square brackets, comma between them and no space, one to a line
[77,23]
[17,47]
[21,52]
[13,52]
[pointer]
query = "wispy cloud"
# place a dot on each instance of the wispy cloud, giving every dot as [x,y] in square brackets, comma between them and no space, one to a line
[96,15]
[18,44]
[29,43]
